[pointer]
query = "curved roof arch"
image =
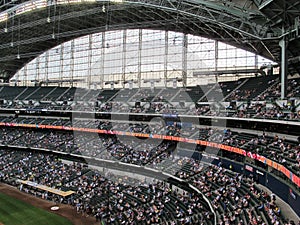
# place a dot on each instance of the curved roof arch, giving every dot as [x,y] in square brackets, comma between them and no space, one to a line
[31,28]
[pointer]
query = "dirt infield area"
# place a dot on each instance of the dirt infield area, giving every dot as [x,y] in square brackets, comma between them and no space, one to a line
[65,210]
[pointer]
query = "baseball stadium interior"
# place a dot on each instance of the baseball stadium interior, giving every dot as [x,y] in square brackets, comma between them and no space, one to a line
[166,112]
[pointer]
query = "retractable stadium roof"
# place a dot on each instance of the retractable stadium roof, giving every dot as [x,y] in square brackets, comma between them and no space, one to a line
[29,28]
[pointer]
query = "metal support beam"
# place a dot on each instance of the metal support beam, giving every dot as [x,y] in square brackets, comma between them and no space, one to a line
[46,67]
[90,53]
[101,74]
[25,80]
[16,79]
[264,4]
[166,58]
[184,60]
[124,58]
[6,4]
[72,61]
[37,68]
[140,57]
[234,71]
[256,61]
[216,54]
[283,45]
[61,70]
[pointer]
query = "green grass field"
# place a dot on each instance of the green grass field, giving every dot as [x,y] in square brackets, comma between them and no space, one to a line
[16,212]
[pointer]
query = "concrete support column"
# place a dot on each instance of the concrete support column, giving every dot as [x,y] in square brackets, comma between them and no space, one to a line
[283,68]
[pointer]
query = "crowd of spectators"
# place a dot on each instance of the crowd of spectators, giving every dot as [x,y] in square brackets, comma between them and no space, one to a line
[142,151]
[235,198]
[273,92]
[258,110]
[219,186]
[174,101]
[117,200]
